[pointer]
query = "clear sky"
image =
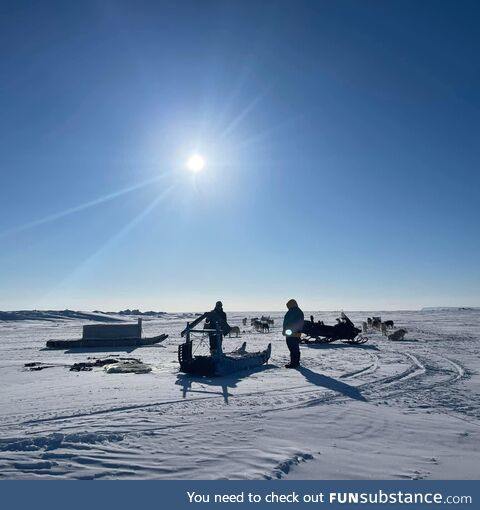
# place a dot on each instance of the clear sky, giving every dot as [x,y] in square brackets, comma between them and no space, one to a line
[341,141]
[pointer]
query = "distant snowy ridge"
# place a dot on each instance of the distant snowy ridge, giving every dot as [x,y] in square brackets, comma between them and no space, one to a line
[150,313]
[96,315]
[449,308]
[54,315]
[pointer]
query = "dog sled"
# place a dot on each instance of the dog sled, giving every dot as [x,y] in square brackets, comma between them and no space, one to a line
[344,330]
[217,363]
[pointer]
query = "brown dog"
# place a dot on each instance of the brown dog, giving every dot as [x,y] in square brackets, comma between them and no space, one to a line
[234,330]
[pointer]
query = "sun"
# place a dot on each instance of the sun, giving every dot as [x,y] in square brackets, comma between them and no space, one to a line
[196,163]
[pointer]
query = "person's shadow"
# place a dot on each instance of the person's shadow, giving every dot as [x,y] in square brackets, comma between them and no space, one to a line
[332,384]
[319,345]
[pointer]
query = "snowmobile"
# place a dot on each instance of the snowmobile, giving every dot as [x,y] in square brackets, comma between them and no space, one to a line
[218,362]
[345,330]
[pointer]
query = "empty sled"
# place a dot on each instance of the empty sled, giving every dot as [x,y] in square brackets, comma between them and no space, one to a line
[108,335]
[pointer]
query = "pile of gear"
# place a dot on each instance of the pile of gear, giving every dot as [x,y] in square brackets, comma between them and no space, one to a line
[113,366]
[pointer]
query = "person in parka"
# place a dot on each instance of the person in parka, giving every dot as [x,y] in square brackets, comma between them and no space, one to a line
[217,317]
[292,329]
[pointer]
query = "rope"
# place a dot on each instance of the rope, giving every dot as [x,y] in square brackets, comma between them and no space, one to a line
[202,340]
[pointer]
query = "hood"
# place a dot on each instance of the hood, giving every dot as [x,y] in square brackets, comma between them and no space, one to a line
[292,304]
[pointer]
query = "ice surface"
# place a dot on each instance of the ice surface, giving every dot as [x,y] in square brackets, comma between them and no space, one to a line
[406,409]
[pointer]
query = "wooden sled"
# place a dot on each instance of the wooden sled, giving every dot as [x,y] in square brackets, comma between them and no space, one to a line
[218,363]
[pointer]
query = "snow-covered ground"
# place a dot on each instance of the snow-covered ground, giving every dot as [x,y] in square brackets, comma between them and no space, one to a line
[382,410]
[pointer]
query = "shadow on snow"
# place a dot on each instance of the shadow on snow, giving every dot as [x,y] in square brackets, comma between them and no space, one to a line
[126,349]
[222,383]
[367,347]
[331,384]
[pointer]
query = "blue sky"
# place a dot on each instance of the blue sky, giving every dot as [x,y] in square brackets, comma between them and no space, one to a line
[341,141]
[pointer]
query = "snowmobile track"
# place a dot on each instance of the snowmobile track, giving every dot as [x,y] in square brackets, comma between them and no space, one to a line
[274,400]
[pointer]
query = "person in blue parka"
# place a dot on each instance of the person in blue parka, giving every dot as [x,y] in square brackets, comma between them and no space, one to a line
[292,329]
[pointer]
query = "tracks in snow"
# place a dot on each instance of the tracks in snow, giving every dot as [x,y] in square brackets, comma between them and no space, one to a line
[385,375]
[382,379]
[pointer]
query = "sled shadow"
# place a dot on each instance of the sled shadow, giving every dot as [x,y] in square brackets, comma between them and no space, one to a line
[332,384]
[221,385]
[80,350]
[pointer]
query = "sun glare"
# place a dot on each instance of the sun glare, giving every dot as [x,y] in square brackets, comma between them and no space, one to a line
[195,163]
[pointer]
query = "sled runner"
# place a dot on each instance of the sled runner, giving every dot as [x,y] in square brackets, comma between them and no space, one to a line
[344,330]
[218,362]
